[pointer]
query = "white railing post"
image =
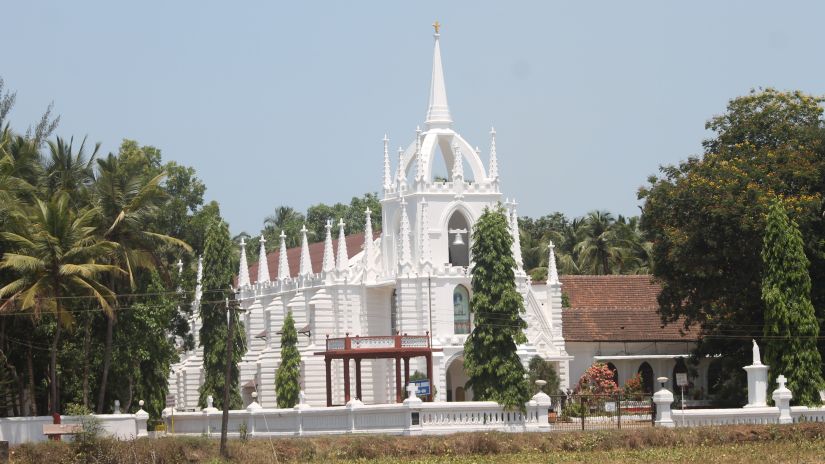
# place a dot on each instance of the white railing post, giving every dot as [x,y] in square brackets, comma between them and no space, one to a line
[352,406]
[141,418]
[412,422]
[663,399]
[541,403]
[782,398]
[253,408]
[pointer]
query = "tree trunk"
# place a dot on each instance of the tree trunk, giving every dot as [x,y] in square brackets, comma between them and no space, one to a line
[55,400]
[32,400]
[107,359]
[87,343]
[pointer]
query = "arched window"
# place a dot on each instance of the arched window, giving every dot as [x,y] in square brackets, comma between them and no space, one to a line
[679,368]
[393,313]
[615,372]
[715,376]
[461,310]
[458,240]
[647,377]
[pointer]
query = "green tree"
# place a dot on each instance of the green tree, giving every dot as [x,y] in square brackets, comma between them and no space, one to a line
[217,280]
[600,249]
[287,381]
[494,369]
[791,328]
[55,255]
[705,215]
[540,369]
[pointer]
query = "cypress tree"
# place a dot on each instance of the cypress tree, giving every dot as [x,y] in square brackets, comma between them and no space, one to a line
[287,381]
[494,369]
[791,329]
[217,280]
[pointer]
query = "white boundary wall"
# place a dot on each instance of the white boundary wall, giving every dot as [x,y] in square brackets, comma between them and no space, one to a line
[18,430]
[415,418]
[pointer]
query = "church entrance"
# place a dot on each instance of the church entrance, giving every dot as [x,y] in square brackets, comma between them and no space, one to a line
[456,379]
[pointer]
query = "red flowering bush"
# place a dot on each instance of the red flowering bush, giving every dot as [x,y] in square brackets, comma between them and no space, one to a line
[597,380]
[633,387]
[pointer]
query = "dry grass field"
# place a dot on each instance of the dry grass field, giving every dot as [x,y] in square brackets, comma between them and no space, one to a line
[802,443]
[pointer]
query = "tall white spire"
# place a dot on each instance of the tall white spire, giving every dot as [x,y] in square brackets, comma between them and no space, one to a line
[368,251]
[199,280]
[419,158]
[243,268]
[552,271]
[343,258]
[516,238]
[263,265]
[329,260]
[387,170]
[438,112]
[305,268]
[425,256]
[493,157]
[404,255]
[458,165]
[283,264]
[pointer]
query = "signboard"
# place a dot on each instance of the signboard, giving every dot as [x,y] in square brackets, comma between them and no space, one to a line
[423,387]
[170,401]
[681,379]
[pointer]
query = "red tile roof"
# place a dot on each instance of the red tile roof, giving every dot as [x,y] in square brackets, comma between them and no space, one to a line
[355,243]
[617,308]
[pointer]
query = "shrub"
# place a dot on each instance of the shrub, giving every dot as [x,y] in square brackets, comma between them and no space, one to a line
[597,380]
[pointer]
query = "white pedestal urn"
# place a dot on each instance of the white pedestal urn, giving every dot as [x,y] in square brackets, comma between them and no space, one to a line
[757,381]
[663,399]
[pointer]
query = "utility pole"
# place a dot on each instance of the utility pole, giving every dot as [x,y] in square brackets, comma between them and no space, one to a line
[231,308]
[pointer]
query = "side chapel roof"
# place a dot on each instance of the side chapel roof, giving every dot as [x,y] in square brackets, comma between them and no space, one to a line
[617,308]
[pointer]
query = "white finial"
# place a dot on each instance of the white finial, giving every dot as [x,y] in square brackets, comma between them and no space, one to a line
[263,265]
[425,257]
[329,260]
[283,264]
[781,380]
[243,268]
[343,258]
[180,266]
[405,255]
[458,165]
[401,176]
[552,271]
[199,280]
[387,170]
[438,111]
[516,237]
[368,239]
[305,269]
[493,156]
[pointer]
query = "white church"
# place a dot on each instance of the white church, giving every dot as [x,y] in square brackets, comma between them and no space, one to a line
[363,303]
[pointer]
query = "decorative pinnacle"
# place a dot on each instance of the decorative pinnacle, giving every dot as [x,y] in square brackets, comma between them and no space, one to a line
[436,26]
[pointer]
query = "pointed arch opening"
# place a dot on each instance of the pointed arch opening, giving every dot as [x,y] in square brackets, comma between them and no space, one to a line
[646,373]
[458,240]
[615,372]
[461,310]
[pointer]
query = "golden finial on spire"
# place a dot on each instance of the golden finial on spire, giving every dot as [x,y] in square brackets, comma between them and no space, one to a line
[436,26]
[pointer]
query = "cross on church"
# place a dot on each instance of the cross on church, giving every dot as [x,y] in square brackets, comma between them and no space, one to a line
[436,26]
[781,381]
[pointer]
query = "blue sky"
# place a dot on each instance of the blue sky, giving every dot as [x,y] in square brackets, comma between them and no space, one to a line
[287,103]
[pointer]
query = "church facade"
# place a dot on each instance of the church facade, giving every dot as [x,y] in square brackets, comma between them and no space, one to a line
[412,278]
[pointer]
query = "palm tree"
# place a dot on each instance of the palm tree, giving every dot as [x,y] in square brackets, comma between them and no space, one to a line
[128,203]
[285,219]
[55,255]
[600,249]
[68,170]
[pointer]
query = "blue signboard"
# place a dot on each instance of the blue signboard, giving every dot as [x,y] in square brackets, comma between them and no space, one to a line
[423,387]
